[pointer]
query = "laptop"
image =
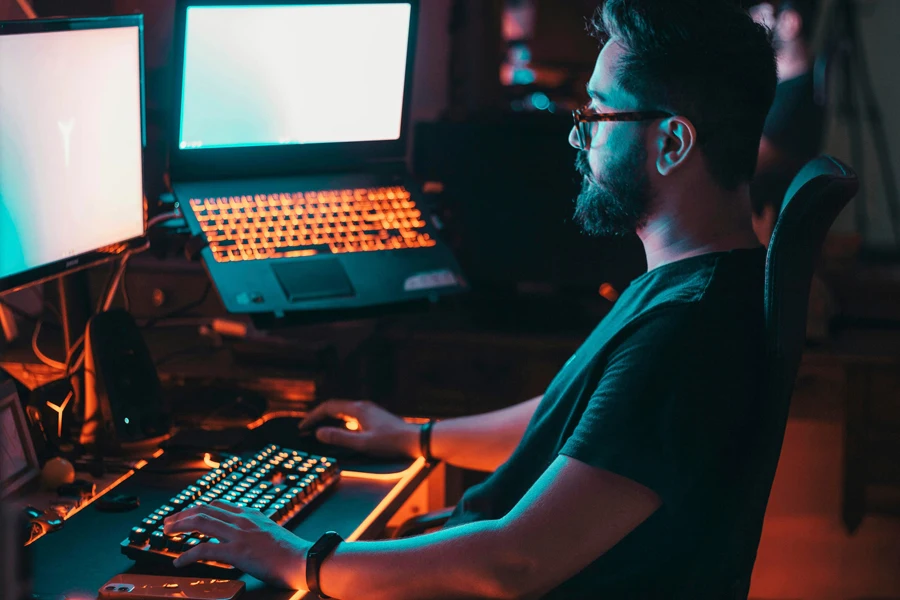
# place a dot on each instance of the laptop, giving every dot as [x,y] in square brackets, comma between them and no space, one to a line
[287,159]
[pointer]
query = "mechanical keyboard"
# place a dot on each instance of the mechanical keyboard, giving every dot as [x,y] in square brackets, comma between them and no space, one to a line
[278,481]
[287,225]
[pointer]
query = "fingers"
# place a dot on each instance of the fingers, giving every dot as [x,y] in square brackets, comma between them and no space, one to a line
[201,522]
[331,408]
[216,509]
[229,507]
[341,437]
[207,551]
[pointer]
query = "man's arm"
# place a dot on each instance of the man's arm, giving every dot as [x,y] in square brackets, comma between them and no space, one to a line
[571,516]
[770,156]
[480,442]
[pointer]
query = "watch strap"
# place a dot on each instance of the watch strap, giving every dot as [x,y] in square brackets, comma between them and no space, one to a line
[316,555]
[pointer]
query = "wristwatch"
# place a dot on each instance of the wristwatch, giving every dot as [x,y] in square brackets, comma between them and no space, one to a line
[425,440]
[321,550]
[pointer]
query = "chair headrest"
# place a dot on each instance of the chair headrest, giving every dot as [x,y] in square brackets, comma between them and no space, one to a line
[830,169]
[818,194]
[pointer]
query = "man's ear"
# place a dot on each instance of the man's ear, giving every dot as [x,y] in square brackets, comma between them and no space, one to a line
[677,142]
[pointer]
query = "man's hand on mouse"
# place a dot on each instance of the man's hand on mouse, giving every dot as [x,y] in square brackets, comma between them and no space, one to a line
[379,433]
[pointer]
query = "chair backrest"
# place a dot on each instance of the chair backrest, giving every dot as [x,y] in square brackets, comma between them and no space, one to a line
[818,194]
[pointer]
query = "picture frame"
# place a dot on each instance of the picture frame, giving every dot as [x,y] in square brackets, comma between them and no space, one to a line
[18,461]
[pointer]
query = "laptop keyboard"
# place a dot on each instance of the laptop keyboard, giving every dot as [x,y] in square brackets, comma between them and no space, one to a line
[296,224]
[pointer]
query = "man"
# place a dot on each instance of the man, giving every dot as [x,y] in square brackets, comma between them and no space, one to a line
[627,478]
[795,126]
[792,136]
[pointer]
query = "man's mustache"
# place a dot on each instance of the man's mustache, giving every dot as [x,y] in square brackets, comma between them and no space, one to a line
[584,167]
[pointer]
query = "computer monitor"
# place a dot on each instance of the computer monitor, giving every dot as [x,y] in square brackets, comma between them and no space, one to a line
[328,87]
[71,145]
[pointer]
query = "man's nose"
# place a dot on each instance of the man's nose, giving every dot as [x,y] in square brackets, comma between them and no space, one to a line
[573,139]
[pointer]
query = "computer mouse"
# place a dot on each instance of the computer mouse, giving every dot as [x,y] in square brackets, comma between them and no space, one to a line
[310,443]
[326,422]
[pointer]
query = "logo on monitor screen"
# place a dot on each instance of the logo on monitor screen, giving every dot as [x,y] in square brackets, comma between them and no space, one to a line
[65,128]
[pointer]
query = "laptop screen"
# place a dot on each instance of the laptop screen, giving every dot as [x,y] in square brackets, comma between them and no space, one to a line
[293,74]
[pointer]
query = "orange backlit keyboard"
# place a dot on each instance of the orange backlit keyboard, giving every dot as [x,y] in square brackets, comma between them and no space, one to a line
[308,223]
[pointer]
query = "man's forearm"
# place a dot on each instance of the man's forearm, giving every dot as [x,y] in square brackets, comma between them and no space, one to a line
[469,561]
[482,442]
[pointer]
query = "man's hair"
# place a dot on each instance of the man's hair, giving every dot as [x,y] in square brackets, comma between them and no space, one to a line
[705,60]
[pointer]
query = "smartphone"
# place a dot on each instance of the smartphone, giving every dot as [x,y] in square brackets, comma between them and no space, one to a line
[153,587]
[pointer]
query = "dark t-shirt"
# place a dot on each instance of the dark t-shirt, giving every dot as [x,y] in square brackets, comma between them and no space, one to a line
[795,126]
[663,392]
[796,122]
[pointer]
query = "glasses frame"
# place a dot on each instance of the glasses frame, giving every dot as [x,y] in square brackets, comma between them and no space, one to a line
[583,118]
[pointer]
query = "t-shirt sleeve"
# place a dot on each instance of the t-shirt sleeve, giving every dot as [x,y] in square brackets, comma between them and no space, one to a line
[660,414]
[795,122]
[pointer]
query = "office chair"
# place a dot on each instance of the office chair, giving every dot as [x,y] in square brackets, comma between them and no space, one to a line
[816,197]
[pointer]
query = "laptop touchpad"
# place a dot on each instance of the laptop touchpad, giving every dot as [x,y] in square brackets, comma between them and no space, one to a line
[313,279]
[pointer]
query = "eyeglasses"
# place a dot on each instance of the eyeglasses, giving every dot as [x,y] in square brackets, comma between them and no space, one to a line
[585,115]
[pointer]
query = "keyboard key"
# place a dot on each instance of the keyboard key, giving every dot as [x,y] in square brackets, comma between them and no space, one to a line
[139,536]
[175,543]
[190,543]
[157,540]
[305,224]
[151,522]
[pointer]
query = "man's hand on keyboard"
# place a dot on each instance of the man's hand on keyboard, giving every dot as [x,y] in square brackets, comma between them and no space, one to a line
[247,539]
[380,433]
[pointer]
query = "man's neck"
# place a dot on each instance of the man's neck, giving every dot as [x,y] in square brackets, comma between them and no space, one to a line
[693,228]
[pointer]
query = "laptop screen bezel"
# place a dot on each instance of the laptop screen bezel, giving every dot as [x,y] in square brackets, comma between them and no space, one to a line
[289,159]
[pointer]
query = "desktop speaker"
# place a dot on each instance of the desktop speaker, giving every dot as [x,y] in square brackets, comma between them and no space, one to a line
[123,396]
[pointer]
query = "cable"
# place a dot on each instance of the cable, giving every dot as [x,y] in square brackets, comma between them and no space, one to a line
[110,293]
[163,218]
[125,297]
[25,314]
[26,8]
[181,310]
[55,364]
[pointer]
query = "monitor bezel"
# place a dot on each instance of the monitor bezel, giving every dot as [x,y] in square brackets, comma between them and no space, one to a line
[280,160]
[90,258]
[10,482]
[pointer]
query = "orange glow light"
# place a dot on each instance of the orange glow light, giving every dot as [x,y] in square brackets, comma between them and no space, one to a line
[405,477]
[209,462]
[137,467]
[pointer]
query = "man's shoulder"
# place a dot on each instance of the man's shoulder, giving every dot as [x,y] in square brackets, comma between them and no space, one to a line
[713,296]
[699,279]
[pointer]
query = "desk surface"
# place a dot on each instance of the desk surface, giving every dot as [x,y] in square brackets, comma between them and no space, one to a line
[77,560]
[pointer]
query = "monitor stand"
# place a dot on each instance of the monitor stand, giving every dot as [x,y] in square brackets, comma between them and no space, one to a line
[75,310]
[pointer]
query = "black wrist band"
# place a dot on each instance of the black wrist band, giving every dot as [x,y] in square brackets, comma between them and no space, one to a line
[425,440]
[321,550]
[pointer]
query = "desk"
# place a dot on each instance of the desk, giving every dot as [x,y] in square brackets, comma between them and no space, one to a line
[77,560]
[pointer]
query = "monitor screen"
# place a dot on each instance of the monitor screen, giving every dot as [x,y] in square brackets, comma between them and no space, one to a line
[293,74]
[71,130]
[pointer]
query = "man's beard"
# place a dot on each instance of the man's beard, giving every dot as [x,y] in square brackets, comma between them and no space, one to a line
[617,204]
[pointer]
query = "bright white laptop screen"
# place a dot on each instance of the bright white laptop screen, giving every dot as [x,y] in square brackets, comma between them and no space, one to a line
[292,74]
[70,144]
